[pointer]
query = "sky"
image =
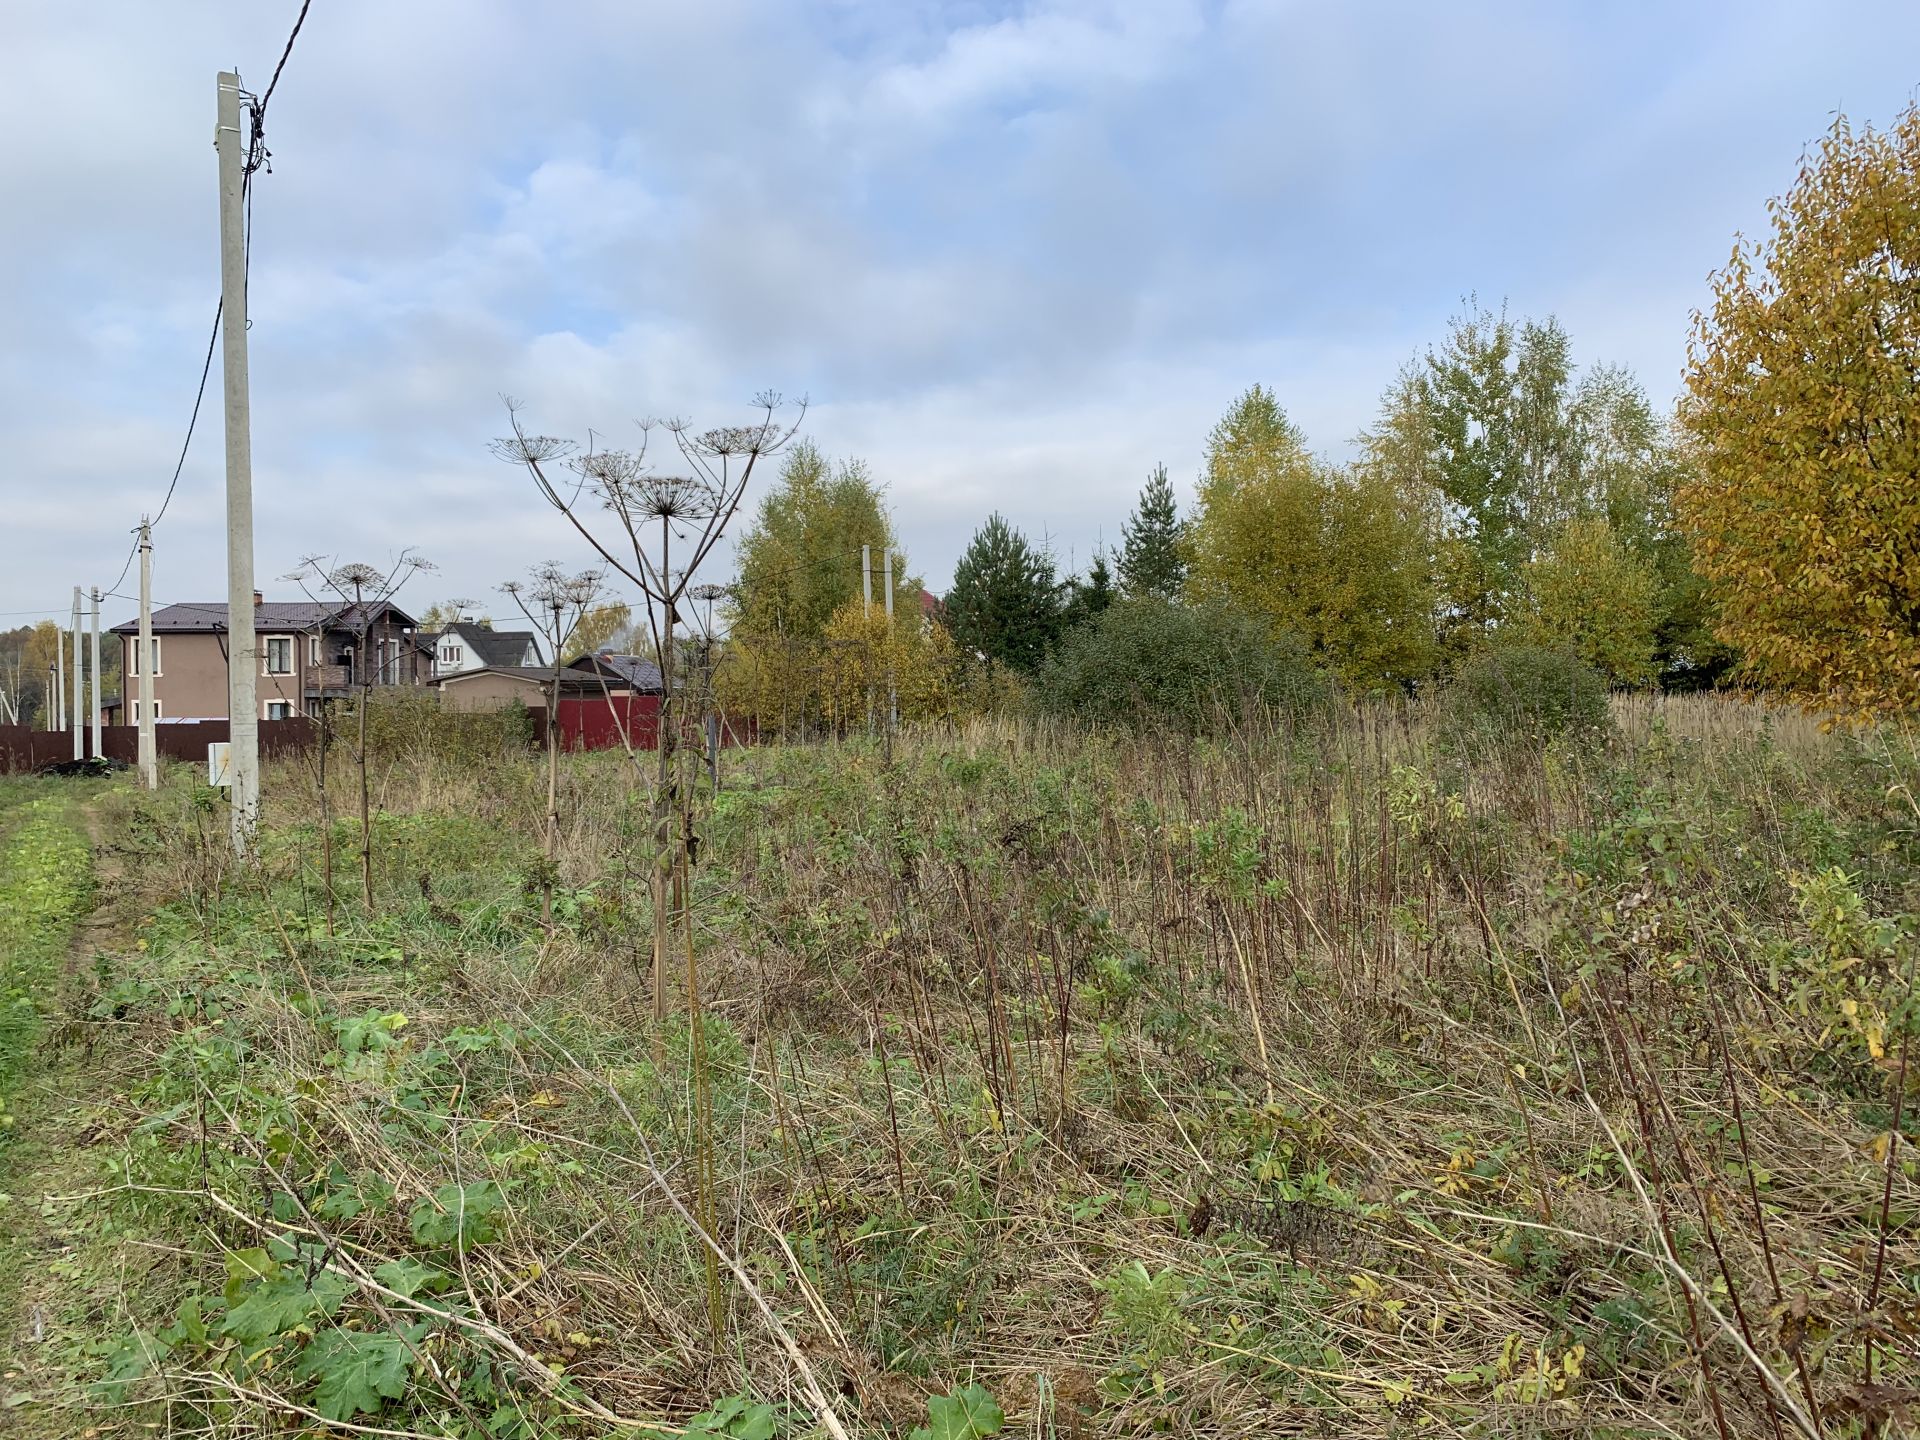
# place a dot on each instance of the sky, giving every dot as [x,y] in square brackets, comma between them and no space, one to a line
[1014,255]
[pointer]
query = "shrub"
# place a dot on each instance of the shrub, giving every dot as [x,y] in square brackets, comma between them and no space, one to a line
[409,722]
[1522,694]
[1154,660]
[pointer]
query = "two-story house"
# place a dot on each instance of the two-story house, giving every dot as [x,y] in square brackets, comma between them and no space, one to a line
[467,645]
[309,652]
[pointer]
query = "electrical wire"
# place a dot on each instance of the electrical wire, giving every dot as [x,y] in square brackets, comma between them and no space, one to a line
[258,157]
[299,20]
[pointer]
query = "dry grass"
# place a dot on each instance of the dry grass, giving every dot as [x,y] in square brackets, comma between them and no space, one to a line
[1282,1083]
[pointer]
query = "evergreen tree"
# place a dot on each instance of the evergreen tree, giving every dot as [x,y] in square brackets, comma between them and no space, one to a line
[1150,560]
[1089,597]
[1005,602]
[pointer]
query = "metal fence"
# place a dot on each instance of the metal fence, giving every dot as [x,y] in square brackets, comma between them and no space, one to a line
[23,751]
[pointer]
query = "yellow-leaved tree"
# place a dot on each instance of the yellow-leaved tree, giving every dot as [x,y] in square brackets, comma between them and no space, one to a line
[1589,594]
[862,652]
[1803,398]
[1335,557]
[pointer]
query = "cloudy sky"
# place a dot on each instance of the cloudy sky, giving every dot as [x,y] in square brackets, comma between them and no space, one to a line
[1014,253]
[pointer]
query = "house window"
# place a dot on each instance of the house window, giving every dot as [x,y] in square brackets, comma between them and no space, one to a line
[313,649]
[134,707]
[450,654]
[133,653]
[279,710]
[279,655]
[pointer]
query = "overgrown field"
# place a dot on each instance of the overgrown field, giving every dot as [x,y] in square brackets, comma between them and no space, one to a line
[1300,1081]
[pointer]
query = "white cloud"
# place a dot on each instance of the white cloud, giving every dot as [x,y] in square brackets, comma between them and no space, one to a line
[1016,253]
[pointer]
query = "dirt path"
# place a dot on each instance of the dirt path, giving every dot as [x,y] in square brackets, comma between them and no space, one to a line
[58,1115]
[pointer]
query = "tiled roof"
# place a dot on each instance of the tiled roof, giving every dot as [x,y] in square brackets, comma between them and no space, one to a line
[497,648]
[298,615]
[642,675]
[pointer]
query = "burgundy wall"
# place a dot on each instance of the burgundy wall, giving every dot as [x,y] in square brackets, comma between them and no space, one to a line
[24,750]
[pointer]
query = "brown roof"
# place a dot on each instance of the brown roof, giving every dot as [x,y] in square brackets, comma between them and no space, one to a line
[210,617]
[571,681]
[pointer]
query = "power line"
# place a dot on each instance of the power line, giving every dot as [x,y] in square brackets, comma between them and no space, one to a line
[258,157]
[299,20]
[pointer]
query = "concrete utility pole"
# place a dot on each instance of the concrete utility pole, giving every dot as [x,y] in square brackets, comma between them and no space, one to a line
[147,755]
[243,713]
[53,690]
[893,690]
[866,612]
[57,707]
[93,658]
[79,683]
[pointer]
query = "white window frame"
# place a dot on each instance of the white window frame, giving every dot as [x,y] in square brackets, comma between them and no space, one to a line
[134,705]
[266,709]
[133,651]
[451,654]
[266,655]
[313,650]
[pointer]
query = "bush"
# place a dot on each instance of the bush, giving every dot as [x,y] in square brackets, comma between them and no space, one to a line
[1153,660]
[409,722]
[1523,694]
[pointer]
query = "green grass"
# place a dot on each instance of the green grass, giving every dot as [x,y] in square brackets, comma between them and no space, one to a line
[46,884]
[984,1039]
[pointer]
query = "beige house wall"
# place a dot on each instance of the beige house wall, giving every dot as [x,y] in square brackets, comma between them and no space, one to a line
[488,690]
[191,683]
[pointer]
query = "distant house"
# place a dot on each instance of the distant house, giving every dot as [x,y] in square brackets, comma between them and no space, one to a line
[310,652]
[492,687]
[489,687]
[465,645]
[933,611]
[621,672]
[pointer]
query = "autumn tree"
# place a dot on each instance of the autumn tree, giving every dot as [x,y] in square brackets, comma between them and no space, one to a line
[799,559]
[596,628]
[1006,602]
[1500,442]
[1588,594]
[799,566]
[1803,397]
[1480,423]
[1334,556]
[862,654]
[1151,561]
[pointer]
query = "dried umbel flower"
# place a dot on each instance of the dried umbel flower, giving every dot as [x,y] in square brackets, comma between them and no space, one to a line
[530,449]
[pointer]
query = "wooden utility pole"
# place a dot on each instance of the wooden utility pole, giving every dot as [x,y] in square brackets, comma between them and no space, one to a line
[79,683]
[243,660]
[143,662]
[93,656]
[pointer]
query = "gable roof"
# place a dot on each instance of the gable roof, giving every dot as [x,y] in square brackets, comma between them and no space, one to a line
[495,648]
[571,681]
[210,617]
[641,675]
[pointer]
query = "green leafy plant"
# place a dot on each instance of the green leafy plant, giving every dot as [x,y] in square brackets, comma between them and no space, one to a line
[966,1413]
[461,1216]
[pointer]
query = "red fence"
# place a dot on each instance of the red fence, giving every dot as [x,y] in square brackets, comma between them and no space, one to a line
[24,750]
[596,723]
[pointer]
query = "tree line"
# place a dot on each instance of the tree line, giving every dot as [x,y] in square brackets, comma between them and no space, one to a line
[1767,532]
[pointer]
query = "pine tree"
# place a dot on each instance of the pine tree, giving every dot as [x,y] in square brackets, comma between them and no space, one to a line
[1089,597]
[1005,602]
[1150,560]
